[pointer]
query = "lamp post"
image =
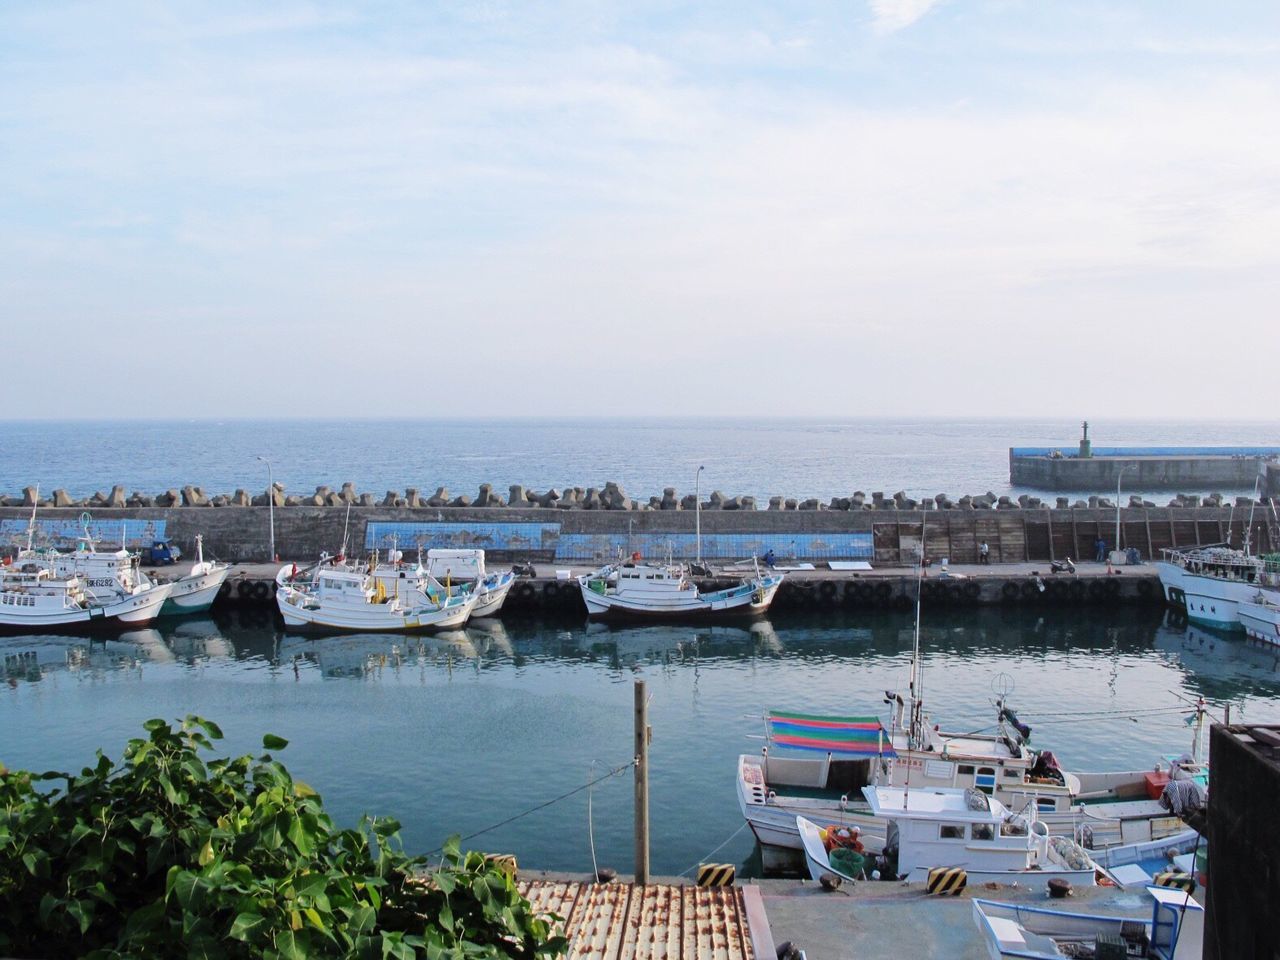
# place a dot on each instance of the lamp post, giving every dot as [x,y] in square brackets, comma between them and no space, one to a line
[271,506]
[1118,476]
[697,513]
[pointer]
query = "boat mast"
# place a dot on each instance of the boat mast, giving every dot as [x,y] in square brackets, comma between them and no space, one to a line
[913,740]
[1257,491]
[31,524]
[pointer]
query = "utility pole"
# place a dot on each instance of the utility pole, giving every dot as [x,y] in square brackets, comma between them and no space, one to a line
[642,783]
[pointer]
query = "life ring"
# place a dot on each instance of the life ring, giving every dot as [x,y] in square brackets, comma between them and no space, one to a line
[1011,590]
[260,590]
[827,590]
[1097,590]
[244,589]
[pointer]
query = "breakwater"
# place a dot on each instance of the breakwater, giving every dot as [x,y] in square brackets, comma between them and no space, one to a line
[883,537]
[1143,468]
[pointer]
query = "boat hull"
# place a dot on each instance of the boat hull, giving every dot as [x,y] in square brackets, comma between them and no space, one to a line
[299,616]
[739,603]
[194,594]
[1211,601]
[128,613]
[490,601]
[1261,622]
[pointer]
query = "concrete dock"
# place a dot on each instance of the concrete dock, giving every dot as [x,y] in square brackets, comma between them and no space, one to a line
[552,591]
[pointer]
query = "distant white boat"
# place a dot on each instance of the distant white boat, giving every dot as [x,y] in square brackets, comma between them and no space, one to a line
[930,828]
[649,591]
[333,596]
[467,567]
[1174,931]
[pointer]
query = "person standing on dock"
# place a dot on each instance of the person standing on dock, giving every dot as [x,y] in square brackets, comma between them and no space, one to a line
[1100,550]
[984,554]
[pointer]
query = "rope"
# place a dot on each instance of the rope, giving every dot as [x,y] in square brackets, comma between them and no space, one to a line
[704,859]
[542,806]
[591,831]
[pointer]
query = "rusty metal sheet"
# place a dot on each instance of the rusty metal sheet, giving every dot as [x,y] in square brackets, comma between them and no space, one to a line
[618,921]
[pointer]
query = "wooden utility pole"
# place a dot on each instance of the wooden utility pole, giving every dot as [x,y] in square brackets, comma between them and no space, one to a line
[642,783]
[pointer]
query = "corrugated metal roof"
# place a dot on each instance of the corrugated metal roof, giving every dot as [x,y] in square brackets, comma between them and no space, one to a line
[622,921]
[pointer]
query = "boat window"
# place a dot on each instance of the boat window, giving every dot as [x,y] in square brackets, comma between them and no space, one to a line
[1011,774]
[980,831]
[949,831]
[1046,803]
[966,769]
[985,779]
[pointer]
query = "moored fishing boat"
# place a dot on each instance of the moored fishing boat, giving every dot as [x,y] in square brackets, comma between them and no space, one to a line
[815,766]
[955,829]
[196,592]
[34,599]
[1260,618]
[1210,583]
[335,596]
[648,591]
[468,567]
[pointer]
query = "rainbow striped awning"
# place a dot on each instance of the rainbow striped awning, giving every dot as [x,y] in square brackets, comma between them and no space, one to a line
[860,736]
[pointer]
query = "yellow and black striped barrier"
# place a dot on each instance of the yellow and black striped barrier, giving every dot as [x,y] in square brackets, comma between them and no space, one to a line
[716,874]
[947,880]
[1176,878]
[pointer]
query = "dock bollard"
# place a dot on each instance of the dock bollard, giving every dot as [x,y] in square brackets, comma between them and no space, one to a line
[947,881]
[716,874]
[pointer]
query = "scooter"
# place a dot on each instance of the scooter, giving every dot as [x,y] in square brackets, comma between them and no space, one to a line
[1062,566]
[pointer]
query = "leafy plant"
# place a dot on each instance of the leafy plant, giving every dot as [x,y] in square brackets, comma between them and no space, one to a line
[171,855]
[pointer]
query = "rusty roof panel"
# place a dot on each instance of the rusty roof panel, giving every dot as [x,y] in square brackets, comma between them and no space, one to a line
[618,921]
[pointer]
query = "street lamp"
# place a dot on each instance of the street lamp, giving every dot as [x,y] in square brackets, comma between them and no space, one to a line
[271,506]
[697,513]
[1118,476]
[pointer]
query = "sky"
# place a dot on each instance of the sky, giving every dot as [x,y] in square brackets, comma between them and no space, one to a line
[867,207]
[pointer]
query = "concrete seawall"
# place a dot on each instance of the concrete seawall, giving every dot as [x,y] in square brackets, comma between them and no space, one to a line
[884,537]
[1138,471]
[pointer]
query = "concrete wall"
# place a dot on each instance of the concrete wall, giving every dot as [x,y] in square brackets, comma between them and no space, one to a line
[1189,474]
[895,536]
[1244,858]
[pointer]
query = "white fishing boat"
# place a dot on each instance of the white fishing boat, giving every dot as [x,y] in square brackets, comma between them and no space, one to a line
[1260,618]
[467,567]
[1174,930]
[109,575]
[1210,583]
[33,599]
[649,591]
[815,766]
[965,829]
[196,592]
[335,596]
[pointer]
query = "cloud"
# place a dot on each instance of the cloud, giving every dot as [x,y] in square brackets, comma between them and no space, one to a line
[891,15]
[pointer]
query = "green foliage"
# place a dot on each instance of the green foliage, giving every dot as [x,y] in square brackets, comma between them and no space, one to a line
[172,855]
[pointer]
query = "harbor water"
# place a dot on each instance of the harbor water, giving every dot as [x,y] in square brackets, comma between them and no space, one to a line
[459,732]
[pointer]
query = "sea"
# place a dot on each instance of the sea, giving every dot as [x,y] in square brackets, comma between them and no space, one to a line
[758,457]
[516,734]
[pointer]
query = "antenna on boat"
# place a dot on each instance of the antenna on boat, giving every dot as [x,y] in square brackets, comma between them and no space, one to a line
[346,525]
